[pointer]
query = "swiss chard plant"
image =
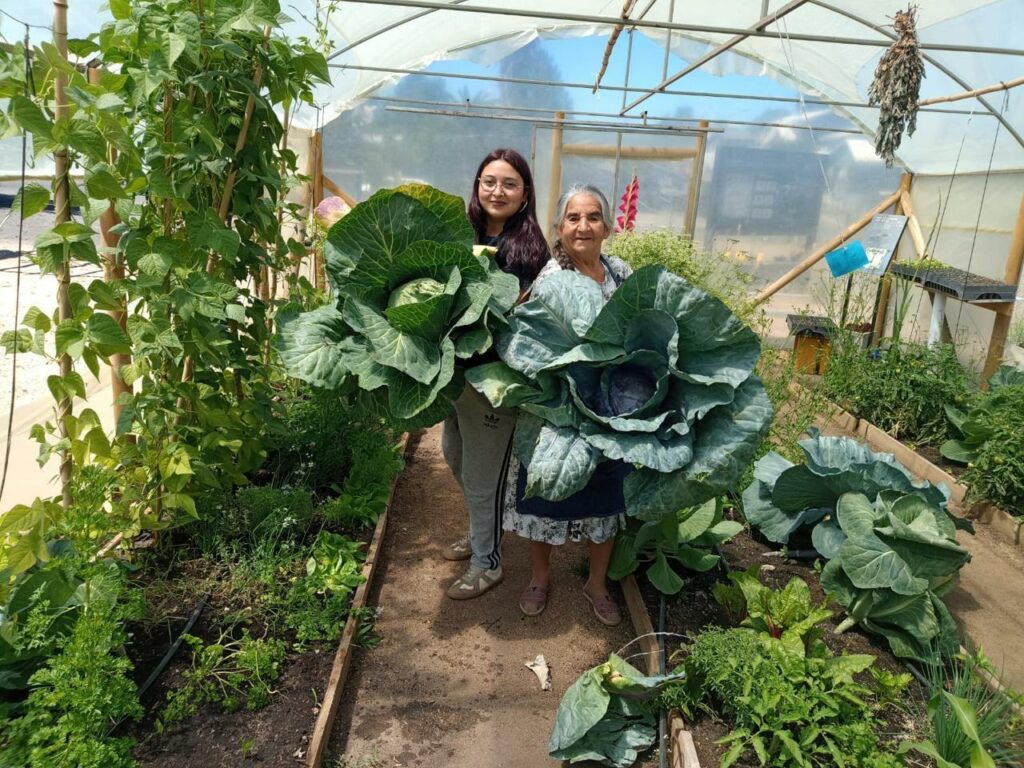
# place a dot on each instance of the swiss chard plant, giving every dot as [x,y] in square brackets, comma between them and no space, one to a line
[609,715]
[413,302]
[686,538]
[890,561]
[785,498]
[658,377]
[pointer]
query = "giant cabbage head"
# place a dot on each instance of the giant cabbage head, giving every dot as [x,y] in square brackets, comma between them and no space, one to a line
[412,300]
[658,377]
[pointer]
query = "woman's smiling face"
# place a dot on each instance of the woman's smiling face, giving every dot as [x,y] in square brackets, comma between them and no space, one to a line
[582,229]
[501,191]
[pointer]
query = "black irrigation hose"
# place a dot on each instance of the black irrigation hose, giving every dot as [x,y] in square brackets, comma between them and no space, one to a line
[155,674]
[662,714]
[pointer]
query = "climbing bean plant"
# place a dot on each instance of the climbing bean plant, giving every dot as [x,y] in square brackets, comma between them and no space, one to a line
[181,133]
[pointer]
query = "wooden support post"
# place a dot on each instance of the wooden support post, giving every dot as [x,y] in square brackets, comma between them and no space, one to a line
[113,269]
[62,209]
[316,194]
[906,207]
[696,174]
[337,191]
[555,186]
[819,254]
[1011,275]
[632,153]
[646,638]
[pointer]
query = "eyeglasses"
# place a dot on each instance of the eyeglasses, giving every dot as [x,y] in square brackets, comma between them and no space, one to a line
[509,186]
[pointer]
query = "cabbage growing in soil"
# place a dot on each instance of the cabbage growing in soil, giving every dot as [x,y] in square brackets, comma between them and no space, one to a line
[412,301]
[659,377]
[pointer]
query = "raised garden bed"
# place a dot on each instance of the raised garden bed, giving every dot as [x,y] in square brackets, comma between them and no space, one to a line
[694,608]
[1002,523]
[293,727]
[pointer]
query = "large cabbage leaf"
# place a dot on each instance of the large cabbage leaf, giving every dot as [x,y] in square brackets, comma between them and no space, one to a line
[893,559]
[608,715]
[413,300]
[784,498]
[658,377]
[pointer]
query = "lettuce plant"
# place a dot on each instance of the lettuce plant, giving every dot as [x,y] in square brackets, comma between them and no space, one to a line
[658,377]
[889,563]
[412,301]
[786,497]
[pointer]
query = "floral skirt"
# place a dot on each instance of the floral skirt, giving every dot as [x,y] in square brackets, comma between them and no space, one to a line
[548,530]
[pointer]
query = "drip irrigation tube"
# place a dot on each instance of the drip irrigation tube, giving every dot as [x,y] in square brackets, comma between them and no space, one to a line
[155,674]
[662,713]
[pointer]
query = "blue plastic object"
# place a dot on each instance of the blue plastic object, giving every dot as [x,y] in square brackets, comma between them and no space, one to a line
[847,258]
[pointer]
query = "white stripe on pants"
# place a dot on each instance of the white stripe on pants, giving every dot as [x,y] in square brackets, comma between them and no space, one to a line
[477,444]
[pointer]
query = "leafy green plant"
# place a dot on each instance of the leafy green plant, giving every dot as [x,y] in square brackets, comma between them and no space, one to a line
[899,389]
[687,538]
[608,715]
[413,300]
[724,278]
[789,704]
[972,726]
[786,614]
[230,673]
[989,441]
[785,498]
[889,564]
[658,377]
[364,494]
[76,699]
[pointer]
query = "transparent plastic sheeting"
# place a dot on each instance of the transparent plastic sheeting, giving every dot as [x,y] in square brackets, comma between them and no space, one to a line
[413,38]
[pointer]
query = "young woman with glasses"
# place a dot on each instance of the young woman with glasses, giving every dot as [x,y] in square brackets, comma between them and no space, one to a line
[477,438]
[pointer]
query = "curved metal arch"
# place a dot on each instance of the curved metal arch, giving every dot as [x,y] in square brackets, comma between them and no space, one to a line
[930,59]
[388,28]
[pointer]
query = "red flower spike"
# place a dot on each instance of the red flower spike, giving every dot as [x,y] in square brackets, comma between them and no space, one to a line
[629,206]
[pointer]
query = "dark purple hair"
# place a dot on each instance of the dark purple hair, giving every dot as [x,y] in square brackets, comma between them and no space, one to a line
[523,248]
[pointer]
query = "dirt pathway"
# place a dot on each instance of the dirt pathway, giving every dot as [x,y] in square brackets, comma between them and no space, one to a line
[447,685]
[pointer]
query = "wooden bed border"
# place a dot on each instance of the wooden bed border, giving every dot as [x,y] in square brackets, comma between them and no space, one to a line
[343,656]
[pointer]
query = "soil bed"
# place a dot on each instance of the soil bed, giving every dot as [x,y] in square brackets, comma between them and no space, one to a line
[275,735]
[695,608]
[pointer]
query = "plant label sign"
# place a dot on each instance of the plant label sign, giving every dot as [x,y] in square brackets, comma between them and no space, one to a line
[880,240]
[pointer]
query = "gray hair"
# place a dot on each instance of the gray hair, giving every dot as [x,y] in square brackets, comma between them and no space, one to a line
[584,189]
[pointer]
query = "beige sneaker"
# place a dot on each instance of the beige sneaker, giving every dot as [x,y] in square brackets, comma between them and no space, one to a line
[474,582]
[457,550]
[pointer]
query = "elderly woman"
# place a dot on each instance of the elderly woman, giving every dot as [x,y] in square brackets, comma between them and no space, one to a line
[582,225]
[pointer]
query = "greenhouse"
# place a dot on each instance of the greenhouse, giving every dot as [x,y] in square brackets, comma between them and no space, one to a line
[470,383]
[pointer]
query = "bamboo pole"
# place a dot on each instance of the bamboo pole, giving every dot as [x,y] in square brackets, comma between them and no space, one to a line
[337,191]
[555,186]
[243,135]
[113,270]
[913,224]
[819,254]
[1000,86]
[62,208]
[612,39]
[696,174]
[1011,275]
[635,153]
[885,286]
[316,195]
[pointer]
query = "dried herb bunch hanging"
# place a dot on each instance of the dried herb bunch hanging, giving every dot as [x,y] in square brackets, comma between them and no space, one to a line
[897,85]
